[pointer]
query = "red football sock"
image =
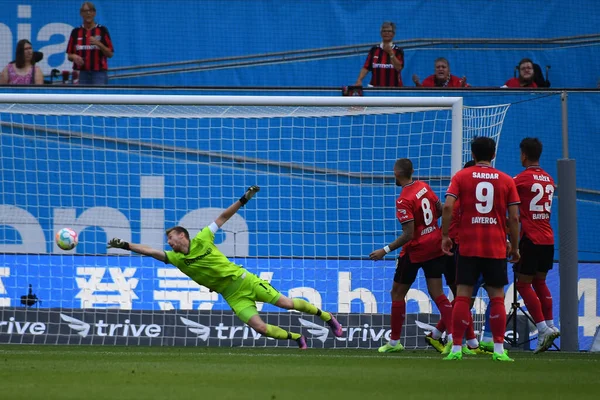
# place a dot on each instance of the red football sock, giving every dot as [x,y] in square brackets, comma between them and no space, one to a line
[470,330]
[531,301]
[445,309]
[398,313]
[497,319]
[460,318]
[545,297]
[440,326]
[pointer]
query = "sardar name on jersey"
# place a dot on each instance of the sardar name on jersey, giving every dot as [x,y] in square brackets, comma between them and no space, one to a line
[485,194]
[417,202]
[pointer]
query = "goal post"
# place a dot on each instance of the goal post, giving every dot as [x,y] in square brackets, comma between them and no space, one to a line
[132,166]
[454,103]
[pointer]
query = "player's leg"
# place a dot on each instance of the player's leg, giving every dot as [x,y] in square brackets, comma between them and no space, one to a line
[434,338]
[249,315]
[487,340]
[434,270]
[472,346]
[309,308]
[243,303]
[496,278]
[405,275]
[526,269]
[546,255]
[466,277]
[540,287]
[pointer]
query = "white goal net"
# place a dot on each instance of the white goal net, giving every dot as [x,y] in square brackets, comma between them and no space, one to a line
[132,166]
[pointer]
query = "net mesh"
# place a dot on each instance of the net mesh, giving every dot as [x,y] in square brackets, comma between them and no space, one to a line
[326,201]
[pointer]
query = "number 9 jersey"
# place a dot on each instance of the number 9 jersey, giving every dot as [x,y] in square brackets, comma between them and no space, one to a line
[485,194]
[536,189]
[417,203]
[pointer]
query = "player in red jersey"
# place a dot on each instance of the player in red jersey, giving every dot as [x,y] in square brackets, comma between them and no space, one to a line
[434,338]
[486,196]
[536,188]
[418,209]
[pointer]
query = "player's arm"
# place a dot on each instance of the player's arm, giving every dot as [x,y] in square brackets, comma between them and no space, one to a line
[439,208]
[513,231]
[137,248]
[232,209]
[408,230]
[446,220]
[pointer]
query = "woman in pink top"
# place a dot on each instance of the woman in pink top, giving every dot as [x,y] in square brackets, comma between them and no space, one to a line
[23,71]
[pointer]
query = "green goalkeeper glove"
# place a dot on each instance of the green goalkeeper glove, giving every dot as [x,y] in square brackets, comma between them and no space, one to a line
[252,190]
[118,244]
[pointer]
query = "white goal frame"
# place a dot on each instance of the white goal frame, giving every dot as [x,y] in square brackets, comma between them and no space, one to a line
[90,110]
[455,103]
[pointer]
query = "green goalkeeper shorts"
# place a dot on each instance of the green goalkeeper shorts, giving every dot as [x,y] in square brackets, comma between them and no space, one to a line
[250,289]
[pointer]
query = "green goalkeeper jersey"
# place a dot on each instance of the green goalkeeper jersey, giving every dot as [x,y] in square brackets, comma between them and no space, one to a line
[205,263]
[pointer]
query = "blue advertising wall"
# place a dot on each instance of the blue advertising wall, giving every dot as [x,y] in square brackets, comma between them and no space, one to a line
[60,282]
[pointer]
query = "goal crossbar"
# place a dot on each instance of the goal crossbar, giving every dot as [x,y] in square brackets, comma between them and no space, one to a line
[397,103]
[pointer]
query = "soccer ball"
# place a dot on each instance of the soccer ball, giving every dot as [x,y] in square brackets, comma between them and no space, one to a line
[66,238]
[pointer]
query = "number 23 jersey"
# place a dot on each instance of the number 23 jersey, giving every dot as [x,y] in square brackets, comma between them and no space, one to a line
[417,202]
[485,194]
[536,189]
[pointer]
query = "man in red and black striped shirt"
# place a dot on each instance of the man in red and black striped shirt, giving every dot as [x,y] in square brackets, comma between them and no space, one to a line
[385,61]
[89,48]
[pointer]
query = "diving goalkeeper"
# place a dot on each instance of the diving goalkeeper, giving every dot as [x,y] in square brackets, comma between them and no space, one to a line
[202,261]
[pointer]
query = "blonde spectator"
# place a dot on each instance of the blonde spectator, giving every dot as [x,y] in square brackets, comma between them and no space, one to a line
[385,61]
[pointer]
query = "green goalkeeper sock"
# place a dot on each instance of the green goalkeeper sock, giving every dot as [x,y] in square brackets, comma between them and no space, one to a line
[306,307]
[277,333]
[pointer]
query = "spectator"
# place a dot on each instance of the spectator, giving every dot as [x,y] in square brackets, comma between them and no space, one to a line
[89,48]
[526,76]
[441,76]
[23,71]
[385,61]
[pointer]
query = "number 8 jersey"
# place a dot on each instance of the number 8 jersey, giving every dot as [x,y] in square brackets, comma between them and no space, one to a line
[417,202]
[536,189]
[485,194]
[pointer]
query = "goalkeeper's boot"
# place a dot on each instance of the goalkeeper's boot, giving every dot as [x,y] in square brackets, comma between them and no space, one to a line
[388,348]
[467,351]
[447,348]
[437,344]
[335,326]
[302,343]
[545,340]
[486,346]
[502,357]
[454,356]
[480,350]
[555,329]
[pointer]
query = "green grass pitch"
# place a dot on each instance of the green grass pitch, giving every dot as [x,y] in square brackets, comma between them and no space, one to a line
[108,372]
